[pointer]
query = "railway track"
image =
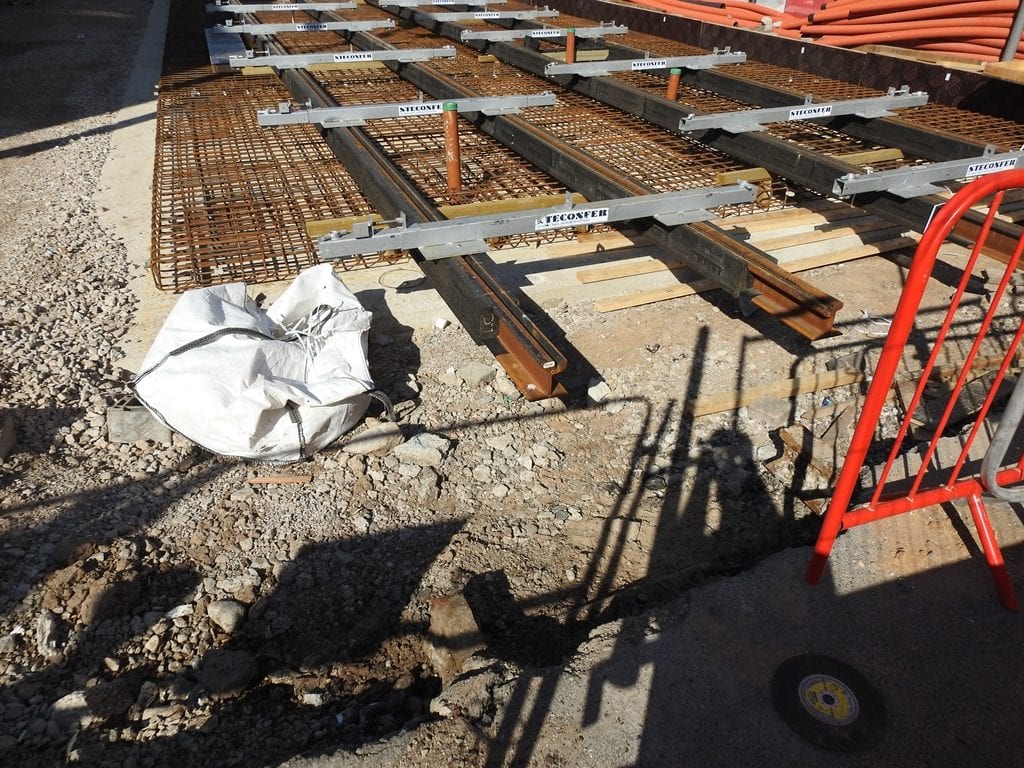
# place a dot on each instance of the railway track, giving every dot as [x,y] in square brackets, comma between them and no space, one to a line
[609,136]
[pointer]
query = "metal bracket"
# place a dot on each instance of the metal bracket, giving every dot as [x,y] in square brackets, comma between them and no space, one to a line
[418,3]
[226,7]
[747,120]
[309,26]
[545,13]
[916,180]
[507,35]
[601,68]
[358,115]
[458,237]
[303,60]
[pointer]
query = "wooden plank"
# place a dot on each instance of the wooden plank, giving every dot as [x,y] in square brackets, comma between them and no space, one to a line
[605,241]
[809,218]
[755,174]
[494,207]
[279,479]
[814,206]
[697,285]
[1006,70]
[794,253]
[872,156]
[321,227]
[630,269]
[730,401]
[856,227]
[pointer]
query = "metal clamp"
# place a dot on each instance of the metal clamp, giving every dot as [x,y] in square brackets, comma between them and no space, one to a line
[303,60]
[309,26]
[545,13]
[458,237]
[601,68]
[358,115]
[418,3]
[507,35]
[227,7]
[745,120]
[917,180]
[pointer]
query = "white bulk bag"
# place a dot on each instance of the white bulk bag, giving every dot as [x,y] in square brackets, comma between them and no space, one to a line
[275,385]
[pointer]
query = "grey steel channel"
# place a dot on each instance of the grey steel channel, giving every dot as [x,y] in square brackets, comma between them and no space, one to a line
[483,307]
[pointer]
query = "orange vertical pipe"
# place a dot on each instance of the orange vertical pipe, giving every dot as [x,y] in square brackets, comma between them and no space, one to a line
[570,45]
[452,158]
[672,91]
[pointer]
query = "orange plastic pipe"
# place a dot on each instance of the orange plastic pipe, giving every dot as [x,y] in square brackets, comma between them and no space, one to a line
[928,35]
[993,22]
[970,8]
[570,45]
[687,12]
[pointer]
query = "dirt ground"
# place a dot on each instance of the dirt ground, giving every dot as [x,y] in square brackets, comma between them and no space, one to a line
[155,605]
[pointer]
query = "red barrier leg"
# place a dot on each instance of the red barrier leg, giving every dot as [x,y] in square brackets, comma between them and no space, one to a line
[993,555]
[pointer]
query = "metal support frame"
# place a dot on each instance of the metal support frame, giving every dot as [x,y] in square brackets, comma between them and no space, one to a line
[331,117]
[489,15]
[508,35]
[916,180]
[745,120]
[458,237]
[261,7]
[304,60]
[601,68]
[307,26]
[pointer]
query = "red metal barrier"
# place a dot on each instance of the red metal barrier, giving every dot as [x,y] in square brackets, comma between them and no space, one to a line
[930,487]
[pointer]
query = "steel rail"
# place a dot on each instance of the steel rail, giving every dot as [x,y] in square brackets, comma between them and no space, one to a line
[907,136]
[806,167]
[484,308]
[742,270]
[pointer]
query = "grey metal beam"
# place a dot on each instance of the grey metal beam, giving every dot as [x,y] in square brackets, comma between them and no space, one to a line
[261,7]
[746,120]
[359,114]
[601,68]
[303,60]
[508,35]
[427,3]
[446,16]
[308,26]
[918,180]
[459,237]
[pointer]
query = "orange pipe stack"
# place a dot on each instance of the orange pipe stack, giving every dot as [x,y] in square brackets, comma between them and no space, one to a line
[977,28]
[731,13]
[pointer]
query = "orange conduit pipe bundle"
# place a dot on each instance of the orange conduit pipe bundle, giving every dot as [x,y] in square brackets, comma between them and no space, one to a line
[977,28]
[731,13]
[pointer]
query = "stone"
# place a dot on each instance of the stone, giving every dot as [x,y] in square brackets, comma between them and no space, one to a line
[424,450]
[50,634]
[773,411]
[598,391]
[8,437]
[224,672]
[476,374]
[108,601]
[111,700]
[453,636]
[132,423]
[226,614]
[379,437]
[500,491]
[72,708]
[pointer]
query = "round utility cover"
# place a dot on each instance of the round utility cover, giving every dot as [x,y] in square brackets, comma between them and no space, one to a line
[829,703]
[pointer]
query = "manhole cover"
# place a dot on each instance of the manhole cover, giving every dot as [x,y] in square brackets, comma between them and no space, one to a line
[829,703]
